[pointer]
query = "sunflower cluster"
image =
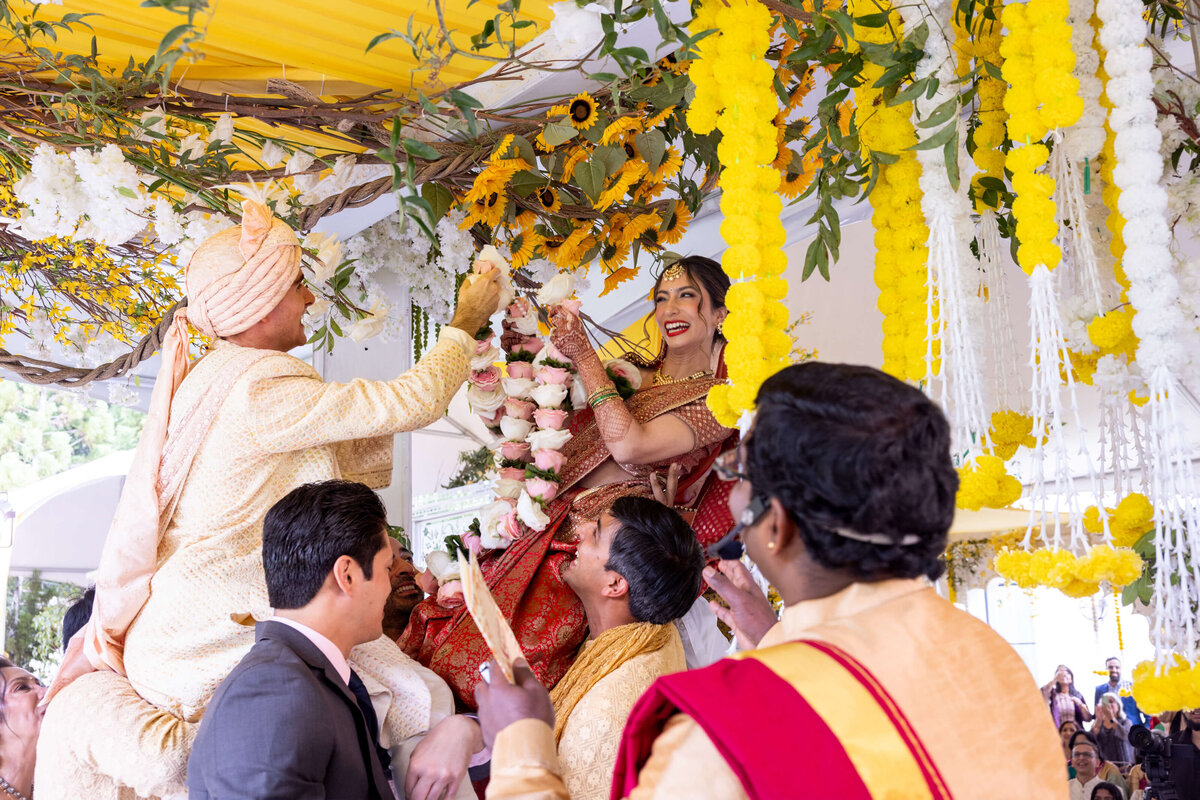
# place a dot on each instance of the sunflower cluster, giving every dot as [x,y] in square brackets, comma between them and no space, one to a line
[735,94]
[986,483]
[900,230]
[1178,686]
[1128,522]
[1072,575]
[487,200]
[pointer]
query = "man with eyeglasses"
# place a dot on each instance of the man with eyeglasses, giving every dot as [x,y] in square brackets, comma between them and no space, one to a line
[865,687]
[1086,762]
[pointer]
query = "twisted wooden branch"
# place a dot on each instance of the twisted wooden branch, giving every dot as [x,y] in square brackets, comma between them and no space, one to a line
[44,373]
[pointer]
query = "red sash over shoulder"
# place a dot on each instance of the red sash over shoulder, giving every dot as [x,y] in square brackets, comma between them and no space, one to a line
[800,719]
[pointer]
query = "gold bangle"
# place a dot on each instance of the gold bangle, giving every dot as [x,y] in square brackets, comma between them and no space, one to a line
[603,390]
[602,396]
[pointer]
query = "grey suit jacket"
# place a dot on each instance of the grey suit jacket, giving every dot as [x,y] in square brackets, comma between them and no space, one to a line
[284,725]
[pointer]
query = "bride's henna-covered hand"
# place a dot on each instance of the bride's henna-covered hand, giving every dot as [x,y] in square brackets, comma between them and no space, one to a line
[568,335]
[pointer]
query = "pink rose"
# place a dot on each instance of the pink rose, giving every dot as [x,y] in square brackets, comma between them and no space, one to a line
[549,460]
[554,353]
[556,375]
[486,380]
[532,345]
[572,305]
[521,409]
[520,369]
[515,451]
[513,473]
[540,489]
[472,542]
[483,345]
[551,418]
[511,526]
[426,582]
[451,595]
[518,308]
[493,420]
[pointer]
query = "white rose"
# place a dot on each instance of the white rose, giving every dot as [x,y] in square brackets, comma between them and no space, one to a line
[494,540]
[549,395]
[526,325]
[509,487]
[531,513]
[442,566]
[515,430]
[317,310]
[222,132]
[491,519]
[557,289]
[575,27]
[485,360]
[518,387]
[191,147]
[494,257]
[485,402]
[548,440]
[329,255]
[578,393]
[626,370]
[370,325]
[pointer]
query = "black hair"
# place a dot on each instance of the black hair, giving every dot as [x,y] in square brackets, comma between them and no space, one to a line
[1068,721]
[1090,740]
[1112,790]
[77,615]
[658,555]
[313,526]
[844,446]
[1112,658]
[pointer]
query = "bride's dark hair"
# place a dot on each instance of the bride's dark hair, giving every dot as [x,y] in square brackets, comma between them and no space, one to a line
[709,275]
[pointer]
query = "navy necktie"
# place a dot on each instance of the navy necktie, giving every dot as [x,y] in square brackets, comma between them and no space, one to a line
[364,704]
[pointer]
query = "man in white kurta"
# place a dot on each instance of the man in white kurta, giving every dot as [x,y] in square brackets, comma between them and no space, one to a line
[247,424]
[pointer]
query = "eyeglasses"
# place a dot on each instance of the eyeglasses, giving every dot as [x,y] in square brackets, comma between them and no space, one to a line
[728,467]
[729,547]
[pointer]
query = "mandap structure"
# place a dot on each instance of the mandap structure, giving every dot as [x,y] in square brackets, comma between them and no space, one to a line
[1057,137]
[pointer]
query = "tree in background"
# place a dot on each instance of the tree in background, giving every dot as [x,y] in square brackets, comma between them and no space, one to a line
[35,611]
[43,432]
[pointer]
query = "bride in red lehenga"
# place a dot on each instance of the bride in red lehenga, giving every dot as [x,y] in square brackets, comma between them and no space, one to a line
[619,448]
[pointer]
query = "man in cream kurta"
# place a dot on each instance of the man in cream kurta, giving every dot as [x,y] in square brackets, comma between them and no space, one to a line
[258,423]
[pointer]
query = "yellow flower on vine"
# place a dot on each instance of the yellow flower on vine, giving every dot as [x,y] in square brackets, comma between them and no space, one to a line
[673,228]
[582,111]
[619,129]
[548,199]
[523,247]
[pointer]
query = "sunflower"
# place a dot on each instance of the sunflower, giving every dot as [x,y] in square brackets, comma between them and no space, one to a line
[673,64]
[617,278]
[550,246]
[526,219]
[845,111]
[647,191]
[572,257]
[577,156]
[548,199]
[673,230]
[581,111]
[639,225]
[612,255]
[522,247]
[671,164]
[658,118]
[489,210]
[625,178]
[795,181]
[619,129]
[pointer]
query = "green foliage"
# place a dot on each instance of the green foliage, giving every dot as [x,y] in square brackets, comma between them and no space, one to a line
[473,467]
[44,431]
[33,638]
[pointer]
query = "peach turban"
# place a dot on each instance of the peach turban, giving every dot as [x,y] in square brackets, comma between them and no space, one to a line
[234,280]
[239,275]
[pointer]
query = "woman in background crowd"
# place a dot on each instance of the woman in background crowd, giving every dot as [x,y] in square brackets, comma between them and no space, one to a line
[1111,730]
[1065,700]
[20,724]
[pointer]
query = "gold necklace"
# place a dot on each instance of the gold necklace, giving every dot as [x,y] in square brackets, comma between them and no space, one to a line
[661,380]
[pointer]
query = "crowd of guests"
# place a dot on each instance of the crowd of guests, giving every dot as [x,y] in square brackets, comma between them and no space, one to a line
[1102,763]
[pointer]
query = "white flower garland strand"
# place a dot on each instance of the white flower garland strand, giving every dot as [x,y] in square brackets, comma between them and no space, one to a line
[997,312]
[1159,322]
[948,215]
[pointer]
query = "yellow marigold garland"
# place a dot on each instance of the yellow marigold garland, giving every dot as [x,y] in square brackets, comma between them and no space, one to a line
[1129,521]
[986,483]
[1178,687]
[900,230]
[735,93]
[1072,575]
[1010,430]
[989,133]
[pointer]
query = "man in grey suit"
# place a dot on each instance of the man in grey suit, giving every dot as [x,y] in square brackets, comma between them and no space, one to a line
[292,720]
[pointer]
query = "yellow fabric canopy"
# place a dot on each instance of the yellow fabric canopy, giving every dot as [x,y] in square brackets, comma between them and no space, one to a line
[317,44]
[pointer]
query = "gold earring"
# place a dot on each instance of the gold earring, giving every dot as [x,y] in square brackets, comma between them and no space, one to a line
[770,545]
[721,328]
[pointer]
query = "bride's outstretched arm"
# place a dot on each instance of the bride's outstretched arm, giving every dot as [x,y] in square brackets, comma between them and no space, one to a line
[629,441]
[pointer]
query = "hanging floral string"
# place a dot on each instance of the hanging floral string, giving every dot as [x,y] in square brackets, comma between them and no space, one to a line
[735,94]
